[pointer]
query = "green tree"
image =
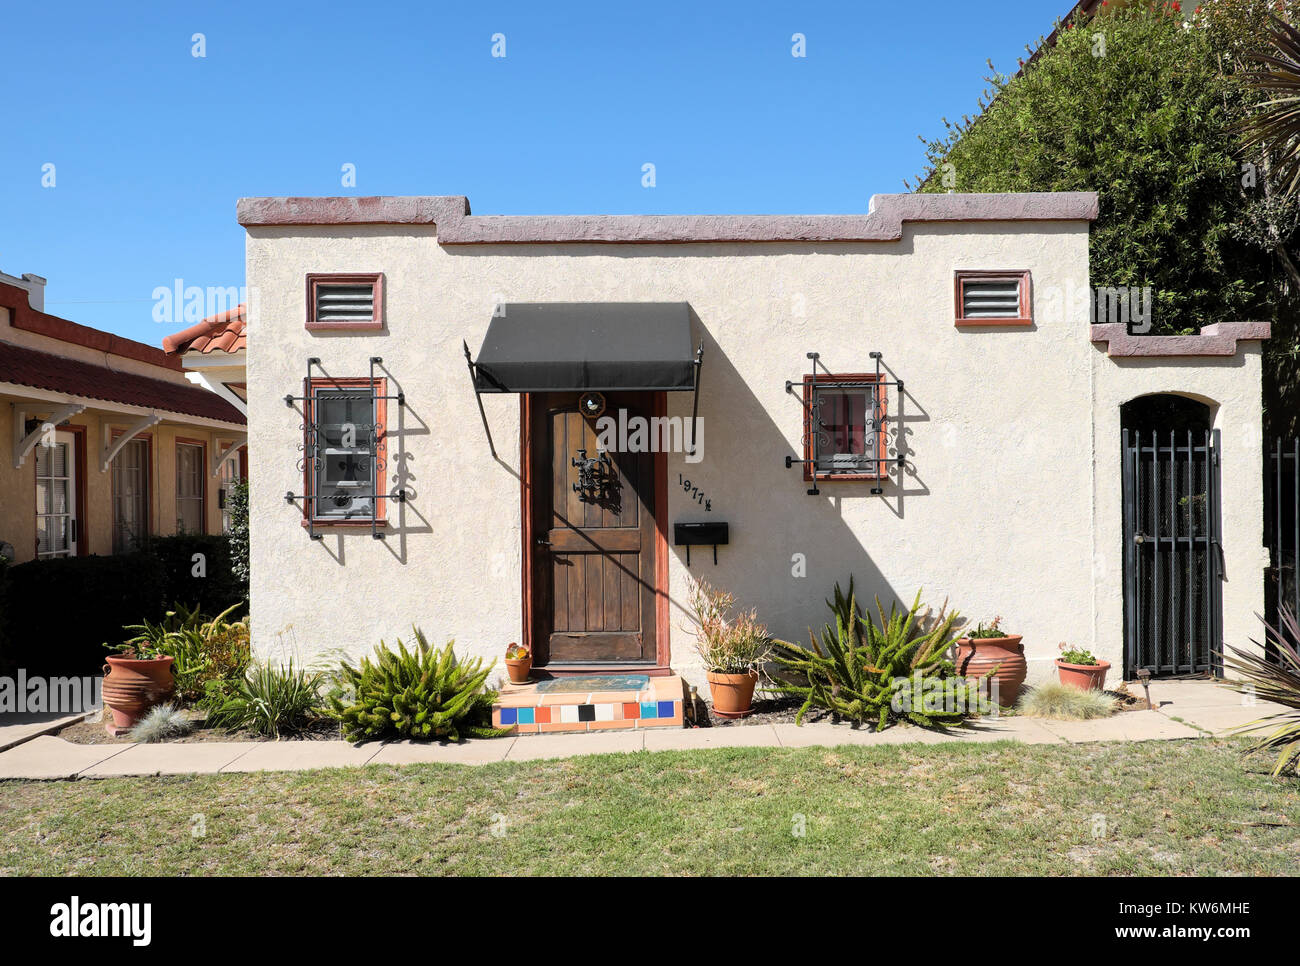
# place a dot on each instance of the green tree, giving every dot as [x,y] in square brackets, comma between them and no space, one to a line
[1138,107]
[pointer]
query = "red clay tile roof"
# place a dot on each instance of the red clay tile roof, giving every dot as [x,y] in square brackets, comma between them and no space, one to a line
[43,370]
[223,332]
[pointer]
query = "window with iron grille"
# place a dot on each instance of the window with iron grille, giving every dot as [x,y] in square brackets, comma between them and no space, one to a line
[352,302]
[844,412]
[993,298]
[346,446]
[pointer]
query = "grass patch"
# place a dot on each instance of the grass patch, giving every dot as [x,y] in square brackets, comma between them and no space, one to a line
[1169,808]
[1061,702]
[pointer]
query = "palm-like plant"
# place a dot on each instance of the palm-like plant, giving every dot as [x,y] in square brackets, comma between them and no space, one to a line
[1273,680]
[1276,126]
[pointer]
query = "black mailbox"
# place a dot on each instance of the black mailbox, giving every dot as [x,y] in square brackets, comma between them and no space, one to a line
[700,535]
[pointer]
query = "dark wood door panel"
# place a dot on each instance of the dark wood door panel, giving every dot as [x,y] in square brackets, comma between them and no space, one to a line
[594,599]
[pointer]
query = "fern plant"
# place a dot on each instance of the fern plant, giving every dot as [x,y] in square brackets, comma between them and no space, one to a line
[423,692]
[875,672]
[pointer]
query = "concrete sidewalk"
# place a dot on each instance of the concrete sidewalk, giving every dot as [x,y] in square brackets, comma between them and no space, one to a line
[1186,709]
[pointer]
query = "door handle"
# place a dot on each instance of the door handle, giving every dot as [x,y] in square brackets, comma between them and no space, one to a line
[543,542]
[1139,538]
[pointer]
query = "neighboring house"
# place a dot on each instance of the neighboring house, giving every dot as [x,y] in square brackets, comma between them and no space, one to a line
[913,396]
[213,353]
[109,442]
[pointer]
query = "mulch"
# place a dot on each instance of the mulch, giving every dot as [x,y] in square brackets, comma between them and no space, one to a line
[94,733]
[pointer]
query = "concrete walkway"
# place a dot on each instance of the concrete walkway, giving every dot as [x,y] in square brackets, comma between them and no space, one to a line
[1187,709]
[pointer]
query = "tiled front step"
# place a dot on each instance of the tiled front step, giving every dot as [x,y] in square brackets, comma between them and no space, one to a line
[529,712]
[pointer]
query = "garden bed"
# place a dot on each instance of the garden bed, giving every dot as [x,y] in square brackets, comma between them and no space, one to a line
[94,733]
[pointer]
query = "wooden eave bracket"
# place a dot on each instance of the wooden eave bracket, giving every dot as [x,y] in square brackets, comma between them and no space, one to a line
[24,443]
[219,460]
[114,446]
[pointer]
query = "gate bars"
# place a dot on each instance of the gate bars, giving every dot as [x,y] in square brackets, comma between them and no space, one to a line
[311,445]
[875,427]
[1282,527]
[1172,553]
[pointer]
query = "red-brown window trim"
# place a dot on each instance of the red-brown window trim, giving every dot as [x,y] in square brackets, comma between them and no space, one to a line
[830,380]
[316,279]
[1017,275]
[381,450]
[203,490]
[148,482]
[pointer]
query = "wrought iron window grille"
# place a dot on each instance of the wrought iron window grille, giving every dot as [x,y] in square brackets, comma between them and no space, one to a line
[313,446]
[815,436]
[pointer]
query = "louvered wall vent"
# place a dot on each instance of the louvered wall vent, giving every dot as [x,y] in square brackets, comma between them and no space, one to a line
[345,301]
[988,298]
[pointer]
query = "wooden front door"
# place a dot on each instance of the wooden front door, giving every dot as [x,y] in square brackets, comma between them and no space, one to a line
[593,596]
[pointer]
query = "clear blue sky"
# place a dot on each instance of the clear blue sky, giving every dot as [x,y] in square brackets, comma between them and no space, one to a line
[152,146]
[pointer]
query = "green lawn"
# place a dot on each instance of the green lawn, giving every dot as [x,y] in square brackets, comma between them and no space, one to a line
[1187,807]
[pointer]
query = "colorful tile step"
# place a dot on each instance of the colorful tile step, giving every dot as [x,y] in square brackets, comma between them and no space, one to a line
[530,711]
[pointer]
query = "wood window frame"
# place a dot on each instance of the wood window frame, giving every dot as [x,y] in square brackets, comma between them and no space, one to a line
[78,434]
[203,478]
[316,279]
[882,443]
[1022,276]
[147,438]
[309,516]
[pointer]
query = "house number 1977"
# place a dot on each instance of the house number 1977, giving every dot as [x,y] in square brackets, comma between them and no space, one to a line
[695,493]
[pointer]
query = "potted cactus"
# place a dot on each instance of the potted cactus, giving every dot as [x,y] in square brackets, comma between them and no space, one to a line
[519,662]
[1079,668]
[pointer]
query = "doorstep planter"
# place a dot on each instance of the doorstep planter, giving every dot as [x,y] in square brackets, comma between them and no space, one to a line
[132,686]
[1003,656]
[1085,677]
[733,694]
[520,669]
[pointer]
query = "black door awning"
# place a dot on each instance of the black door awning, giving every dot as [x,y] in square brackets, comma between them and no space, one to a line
[558,346]
[605,346]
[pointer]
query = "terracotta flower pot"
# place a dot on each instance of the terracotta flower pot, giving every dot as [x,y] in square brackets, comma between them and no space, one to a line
[132,686]
[733,694]
[978,656]
[1085,677]
[520,668]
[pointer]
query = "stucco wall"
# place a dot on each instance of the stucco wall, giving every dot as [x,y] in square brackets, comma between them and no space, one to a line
[994,514]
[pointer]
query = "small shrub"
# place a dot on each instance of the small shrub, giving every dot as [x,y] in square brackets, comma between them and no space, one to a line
[1275,679]
[1052,699]
[986,632]
[420,693]
[727,645]
[237,508]
[163,723]
[870,672]
[271,700]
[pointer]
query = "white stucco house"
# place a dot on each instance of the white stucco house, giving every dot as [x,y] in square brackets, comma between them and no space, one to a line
[918,396]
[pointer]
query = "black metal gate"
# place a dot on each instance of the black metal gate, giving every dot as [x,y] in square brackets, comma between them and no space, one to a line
[1172,555]
[1282,529]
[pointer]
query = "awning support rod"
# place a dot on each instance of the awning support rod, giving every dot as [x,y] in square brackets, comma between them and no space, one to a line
[469,361]
[695,404]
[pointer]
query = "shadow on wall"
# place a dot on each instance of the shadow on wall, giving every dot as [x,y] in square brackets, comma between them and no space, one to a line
[787,548]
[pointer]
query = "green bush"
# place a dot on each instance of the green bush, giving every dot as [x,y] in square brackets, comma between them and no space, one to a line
[57,613]
[237,507]
[420,693]
[216,589]
[271,700]
[205,651]
[879,673]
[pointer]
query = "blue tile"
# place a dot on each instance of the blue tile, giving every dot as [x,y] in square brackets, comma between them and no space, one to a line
[526,716]
[665,709]
[649,710]
[508,716]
